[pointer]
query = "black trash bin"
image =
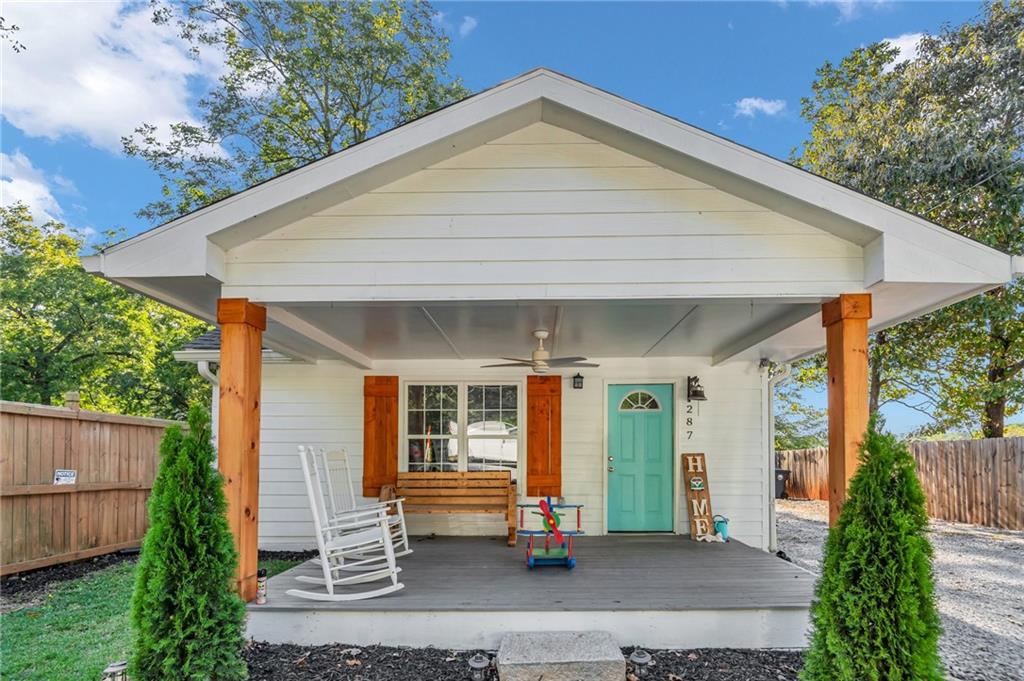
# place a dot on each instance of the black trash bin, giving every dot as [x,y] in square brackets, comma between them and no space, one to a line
[781,478]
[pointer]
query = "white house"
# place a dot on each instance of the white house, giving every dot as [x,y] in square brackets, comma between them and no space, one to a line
[649,247]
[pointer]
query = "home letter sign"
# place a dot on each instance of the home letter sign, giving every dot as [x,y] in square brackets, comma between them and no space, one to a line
[698,497]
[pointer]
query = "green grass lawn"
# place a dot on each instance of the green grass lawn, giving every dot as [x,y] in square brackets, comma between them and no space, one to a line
[81,627]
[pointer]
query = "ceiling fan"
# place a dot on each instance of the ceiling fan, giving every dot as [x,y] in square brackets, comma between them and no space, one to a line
[541,360]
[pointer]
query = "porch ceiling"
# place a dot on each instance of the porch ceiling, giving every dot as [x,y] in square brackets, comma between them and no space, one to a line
[487,330]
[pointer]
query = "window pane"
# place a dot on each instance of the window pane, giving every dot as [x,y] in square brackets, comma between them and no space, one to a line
[475,396]
[450,422]
[416,423]
[432,396]
[493,454]
[509,395]
[415,396]
[492,397]
[416,455]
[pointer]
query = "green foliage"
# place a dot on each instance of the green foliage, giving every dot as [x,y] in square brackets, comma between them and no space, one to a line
[798,425]
[302,80]
[874,612]
[64,329]
[188,621]
[941,136]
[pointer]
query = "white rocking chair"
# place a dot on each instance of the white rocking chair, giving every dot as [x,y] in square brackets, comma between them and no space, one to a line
[339,506]
[361,542]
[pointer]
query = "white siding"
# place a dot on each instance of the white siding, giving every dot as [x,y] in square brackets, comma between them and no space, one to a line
[546,208]
[322,404]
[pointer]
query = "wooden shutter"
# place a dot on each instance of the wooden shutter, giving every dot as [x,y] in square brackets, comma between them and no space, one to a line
[543,436]
[380,433]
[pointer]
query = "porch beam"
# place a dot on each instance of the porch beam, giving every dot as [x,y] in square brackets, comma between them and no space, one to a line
[846,345]
[319,336]
[238,441]
[762,332]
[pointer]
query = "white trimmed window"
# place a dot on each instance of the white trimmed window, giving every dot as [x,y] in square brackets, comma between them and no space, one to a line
[461,426]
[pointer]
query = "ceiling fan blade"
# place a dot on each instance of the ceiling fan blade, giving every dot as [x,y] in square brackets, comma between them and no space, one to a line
[511,364]
[566,360]
[517,359]
[576,364]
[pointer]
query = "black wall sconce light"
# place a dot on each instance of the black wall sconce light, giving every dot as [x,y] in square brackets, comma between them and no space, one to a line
[577,382]
[694,390]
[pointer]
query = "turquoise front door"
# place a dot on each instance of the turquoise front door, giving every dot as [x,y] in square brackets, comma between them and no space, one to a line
[640,458]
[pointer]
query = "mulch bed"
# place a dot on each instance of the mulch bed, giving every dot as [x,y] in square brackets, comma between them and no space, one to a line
[381,663]
[28,584]
[297,556]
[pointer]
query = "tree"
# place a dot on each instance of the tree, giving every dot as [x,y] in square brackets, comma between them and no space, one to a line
[64,329]
[7,31]
[874,616]
[939,135]
[798,425]
[301,81]
[187,621]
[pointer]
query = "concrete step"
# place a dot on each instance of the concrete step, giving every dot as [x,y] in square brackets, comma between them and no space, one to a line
[560,656]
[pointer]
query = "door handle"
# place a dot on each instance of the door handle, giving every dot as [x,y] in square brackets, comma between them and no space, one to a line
[611,468]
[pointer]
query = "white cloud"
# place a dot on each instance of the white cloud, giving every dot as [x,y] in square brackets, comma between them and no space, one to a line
[20,181]
[467,26]
[96,71]
[907,44]
[850,9]
[751,106]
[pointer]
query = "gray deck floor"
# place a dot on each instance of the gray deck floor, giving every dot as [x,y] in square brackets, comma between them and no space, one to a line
[617,572]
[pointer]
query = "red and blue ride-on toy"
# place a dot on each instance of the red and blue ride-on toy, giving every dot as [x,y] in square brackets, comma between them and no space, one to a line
[560,552]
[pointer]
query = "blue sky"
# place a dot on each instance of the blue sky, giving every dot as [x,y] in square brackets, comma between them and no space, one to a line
[92,71]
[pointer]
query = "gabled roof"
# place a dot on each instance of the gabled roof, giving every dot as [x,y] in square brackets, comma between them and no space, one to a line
[183,262]
[543,94]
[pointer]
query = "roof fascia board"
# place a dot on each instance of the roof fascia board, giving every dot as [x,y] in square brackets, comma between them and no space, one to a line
[365,172]
[760,178]
[490,114]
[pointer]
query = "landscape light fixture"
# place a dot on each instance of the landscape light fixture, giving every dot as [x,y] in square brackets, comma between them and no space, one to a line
[116,671]
[478,665]
[640,659]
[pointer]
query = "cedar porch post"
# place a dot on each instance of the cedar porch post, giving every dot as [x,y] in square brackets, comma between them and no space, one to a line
[846,344]
[238,443]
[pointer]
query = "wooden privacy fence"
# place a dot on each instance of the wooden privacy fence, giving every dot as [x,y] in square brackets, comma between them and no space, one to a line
[114,459]
[967,481]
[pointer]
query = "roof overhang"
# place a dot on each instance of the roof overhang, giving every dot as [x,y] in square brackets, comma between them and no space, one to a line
[913,266]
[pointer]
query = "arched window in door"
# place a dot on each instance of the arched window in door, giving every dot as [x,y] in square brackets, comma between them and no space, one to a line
[639,400]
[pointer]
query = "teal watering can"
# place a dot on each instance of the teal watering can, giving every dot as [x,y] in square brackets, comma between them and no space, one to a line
[721,526]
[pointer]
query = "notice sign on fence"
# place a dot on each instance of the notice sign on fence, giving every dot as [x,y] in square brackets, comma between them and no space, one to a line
[698,496]
[65,476]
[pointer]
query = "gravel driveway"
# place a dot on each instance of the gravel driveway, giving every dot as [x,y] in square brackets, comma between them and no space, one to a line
[979,581]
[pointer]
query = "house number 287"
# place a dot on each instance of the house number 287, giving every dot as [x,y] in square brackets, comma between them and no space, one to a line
[689,421]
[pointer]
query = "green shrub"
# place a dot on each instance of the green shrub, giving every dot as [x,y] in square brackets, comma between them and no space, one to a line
[874,613]
[187,619]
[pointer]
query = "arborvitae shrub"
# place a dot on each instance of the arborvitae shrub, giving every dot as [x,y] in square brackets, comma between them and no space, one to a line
[874,613]
[187,619]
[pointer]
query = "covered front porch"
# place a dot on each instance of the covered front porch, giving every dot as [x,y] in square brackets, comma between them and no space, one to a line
[659,591]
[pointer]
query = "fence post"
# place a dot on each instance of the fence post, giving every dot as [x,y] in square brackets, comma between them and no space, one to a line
[72,400]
